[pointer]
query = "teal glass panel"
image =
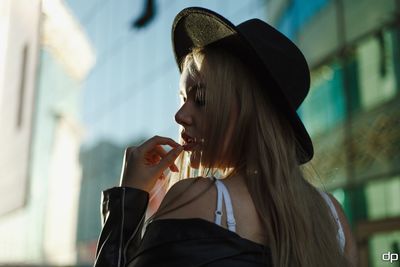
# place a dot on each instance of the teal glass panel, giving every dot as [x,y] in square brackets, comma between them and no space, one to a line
[324,107]
[297,14]
[356,205]
[376,71]
[383,198]
[351,83]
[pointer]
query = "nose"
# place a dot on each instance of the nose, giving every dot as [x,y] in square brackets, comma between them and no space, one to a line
[183,116]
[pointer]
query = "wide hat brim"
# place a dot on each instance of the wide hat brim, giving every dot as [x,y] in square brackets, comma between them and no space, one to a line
[262,48]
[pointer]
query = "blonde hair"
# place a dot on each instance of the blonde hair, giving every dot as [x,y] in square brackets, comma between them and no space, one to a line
[299,228]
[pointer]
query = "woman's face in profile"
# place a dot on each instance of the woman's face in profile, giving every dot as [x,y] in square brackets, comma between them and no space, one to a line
[191,115]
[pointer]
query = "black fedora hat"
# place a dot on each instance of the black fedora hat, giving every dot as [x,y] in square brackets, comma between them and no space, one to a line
[270,54]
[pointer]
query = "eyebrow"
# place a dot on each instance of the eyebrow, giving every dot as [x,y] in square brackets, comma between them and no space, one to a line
[190,88]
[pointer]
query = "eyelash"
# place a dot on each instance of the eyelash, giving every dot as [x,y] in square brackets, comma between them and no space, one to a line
[199,98]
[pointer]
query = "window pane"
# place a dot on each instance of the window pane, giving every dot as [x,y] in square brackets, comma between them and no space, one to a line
[376,70]
[324,107]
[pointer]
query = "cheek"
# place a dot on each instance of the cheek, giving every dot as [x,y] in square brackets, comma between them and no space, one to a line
[200,120]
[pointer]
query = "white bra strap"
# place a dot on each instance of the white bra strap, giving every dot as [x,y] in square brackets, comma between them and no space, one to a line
[229,209]
[218,212]
[231,222]
[340,234]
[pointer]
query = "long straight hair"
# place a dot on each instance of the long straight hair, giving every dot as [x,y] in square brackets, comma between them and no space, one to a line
[298,225]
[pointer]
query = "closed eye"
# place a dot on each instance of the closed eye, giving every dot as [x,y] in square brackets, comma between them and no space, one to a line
[199,93]
[200,96]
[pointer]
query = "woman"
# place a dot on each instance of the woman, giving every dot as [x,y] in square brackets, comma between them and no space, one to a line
[241,86]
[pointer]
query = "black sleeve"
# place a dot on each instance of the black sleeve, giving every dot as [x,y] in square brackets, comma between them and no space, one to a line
[123,214]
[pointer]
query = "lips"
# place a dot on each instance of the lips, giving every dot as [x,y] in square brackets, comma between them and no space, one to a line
[189,142]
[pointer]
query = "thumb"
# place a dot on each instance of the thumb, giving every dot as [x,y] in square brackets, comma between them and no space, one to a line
[171,156]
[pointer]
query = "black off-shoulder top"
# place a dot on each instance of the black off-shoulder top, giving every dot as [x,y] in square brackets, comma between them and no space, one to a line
[197,242]
[192,242]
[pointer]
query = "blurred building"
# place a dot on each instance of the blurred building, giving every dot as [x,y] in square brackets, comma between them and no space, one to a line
[18,59]
[19,48]
[352,111]
[41,73]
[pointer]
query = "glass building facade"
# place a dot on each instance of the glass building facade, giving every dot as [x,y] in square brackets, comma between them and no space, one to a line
[352,111]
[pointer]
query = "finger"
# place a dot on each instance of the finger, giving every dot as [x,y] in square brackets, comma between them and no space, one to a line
[169,159]
[156,154]
[174,168]
[157,140]
[162,153]
[152,158]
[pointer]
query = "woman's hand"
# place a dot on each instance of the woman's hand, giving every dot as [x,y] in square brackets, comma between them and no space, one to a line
[143,165]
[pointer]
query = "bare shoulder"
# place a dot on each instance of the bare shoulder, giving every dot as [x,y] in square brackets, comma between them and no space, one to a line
[188,188]
[350,248]
[183,196]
